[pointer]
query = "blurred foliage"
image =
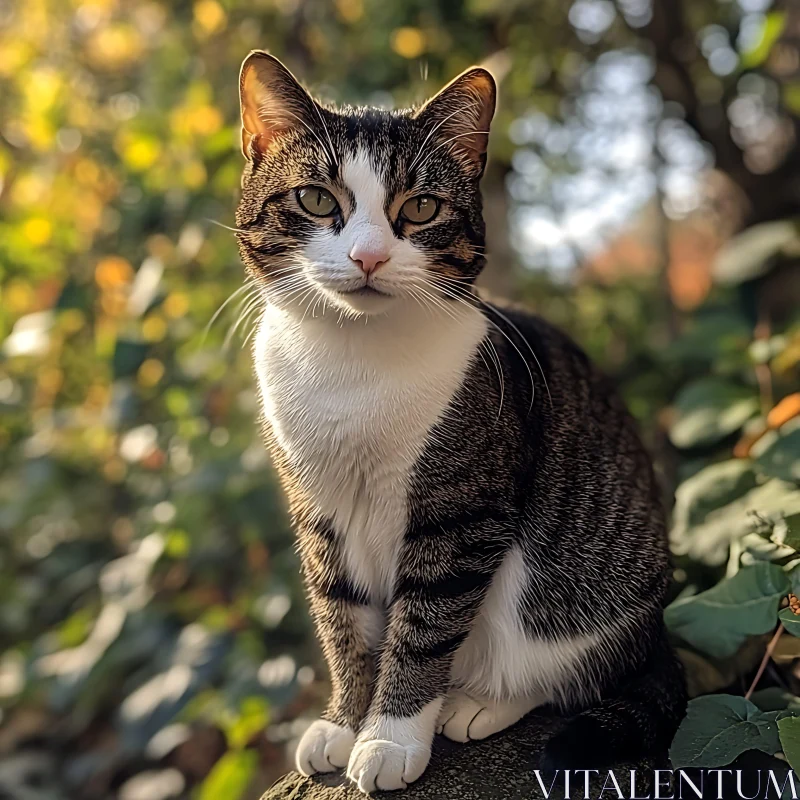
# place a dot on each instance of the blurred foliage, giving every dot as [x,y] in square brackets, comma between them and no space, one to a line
[737,509]
[153,638]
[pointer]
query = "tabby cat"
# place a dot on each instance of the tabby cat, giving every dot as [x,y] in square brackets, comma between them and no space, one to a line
[479,526]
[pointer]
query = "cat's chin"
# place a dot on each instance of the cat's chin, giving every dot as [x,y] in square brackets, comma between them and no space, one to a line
[364,302]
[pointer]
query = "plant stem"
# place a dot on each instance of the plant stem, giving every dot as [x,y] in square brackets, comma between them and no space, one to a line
[762,332]
[773,643]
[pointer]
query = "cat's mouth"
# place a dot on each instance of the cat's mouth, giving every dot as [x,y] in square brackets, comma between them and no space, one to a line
[364,291]
[364,299]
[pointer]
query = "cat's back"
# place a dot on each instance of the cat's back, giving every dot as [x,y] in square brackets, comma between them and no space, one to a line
[565,436]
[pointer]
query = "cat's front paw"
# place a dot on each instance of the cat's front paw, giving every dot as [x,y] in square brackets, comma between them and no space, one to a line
[324,747]
[381,765]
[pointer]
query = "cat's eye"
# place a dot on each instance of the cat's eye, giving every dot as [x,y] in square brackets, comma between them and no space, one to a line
[317,201]
[420,209]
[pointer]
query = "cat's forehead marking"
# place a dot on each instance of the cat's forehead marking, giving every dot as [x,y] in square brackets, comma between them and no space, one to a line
[361,177]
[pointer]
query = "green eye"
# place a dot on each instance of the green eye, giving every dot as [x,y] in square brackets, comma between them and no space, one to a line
[317,201]
[420,209]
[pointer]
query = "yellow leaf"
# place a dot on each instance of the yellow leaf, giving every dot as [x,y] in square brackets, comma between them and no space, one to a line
[151,372]
[18,298]
[176,305]
[178,543]
[114,47]
[209,16]
[40,131]
[100,440]
[205,120]
[14,55]
[71,320]
[42,89]
[38,231]
[87,171]
[30,189]
[113,271]
[141,152]
[51,380]
[408,42]
[194,175]
[788,359]
[350,10]
[154,328]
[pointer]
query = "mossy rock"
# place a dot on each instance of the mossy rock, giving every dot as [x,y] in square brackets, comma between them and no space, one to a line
[499,768]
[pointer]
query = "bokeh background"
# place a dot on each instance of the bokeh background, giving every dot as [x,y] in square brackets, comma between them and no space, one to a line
[642,188]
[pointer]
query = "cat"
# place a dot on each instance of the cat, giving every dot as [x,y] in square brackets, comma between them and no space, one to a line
[479,527]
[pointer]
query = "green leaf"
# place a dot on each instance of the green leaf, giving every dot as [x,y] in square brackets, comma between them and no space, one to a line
[710,335]
[790,94]
[718,728]
[710,409]
[128,357]
[252,719]
[754,252]
[708,490]
[790,620]
[775,699]
[73,295]
[789,732]
[231,776]
[771,30]
[792,537]
[782,458]
[759,509]
[718,621]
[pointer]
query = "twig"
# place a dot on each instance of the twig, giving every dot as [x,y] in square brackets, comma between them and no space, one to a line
[773,643]
[763,372]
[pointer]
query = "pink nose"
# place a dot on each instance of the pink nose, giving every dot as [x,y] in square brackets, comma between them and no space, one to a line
[368,258]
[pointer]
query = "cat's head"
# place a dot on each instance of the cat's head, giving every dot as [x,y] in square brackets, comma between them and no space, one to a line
[362,208]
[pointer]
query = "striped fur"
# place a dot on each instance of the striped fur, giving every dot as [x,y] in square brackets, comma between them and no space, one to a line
[478,523]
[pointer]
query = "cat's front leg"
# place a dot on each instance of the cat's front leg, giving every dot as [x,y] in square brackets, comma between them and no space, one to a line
[348,628]
[442,581]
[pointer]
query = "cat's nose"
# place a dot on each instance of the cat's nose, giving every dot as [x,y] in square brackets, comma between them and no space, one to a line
[368,259]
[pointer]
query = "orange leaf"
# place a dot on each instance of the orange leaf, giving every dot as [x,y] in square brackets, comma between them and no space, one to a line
[787,409]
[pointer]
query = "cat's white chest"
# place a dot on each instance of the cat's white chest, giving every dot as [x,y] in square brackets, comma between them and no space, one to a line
[352,408]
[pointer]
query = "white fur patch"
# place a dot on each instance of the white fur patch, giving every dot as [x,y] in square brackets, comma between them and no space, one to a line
[464,718]
[324,747]
[499,659]
[352,406]
[392,752]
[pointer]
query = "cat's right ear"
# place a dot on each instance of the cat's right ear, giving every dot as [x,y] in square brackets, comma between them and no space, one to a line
[272,101]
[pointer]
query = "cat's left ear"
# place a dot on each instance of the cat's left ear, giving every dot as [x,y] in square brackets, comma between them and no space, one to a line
[273,102]
[462,112]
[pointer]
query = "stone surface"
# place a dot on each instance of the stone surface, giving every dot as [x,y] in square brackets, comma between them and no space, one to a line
[499,768]
[502,768]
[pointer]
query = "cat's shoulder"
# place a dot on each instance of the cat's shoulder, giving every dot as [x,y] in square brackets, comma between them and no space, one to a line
[532,330]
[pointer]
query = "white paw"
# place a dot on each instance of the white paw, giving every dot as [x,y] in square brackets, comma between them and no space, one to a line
[324,747]
[464,718]
[381,765]
[392,752]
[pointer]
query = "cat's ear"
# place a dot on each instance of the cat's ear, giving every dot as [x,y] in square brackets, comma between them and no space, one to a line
[462,112]
[273,102]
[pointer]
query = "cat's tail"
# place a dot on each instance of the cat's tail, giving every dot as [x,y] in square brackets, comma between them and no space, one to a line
[636,721]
